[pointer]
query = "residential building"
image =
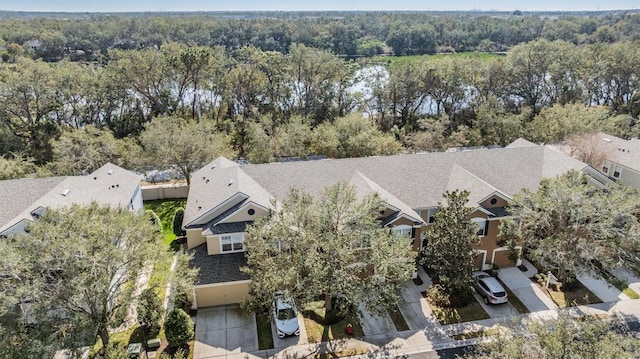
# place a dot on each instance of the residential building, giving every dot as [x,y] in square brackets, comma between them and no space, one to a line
[226,197]
[24,200]
[622,159]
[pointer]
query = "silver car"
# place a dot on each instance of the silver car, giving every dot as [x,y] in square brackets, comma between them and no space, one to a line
[285,315]
[489,288]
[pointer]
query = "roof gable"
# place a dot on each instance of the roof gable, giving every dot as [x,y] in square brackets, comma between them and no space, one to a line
[364,186]
[109,185]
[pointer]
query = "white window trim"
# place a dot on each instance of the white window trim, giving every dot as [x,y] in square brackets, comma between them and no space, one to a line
[233,238]
[430,213]
[401,230]
[616,168]
[606,164]
[481,222]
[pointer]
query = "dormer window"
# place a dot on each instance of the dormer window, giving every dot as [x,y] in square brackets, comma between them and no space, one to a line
[430,215]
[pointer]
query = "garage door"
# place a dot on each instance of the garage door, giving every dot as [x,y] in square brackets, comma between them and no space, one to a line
[221,294]
[501,258]
[479,261]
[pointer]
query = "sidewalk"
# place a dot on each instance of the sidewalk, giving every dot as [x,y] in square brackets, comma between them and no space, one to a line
[427,334]
[603,290]
[412,341]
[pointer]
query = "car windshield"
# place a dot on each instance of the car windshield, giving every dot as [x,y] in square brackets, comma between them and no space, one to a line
[499,294]
[286,314]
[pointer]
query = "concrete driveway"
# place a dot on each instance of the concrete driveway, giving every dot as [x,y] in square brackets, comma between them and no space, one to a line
[496,310]
[527,291]
[601,288]
[373,324]
[291,340]
[224,330]
[631,278]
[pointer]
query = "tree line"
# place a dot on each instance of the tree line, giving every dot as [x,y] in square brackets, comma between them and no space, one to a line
[89,37]
[266,104]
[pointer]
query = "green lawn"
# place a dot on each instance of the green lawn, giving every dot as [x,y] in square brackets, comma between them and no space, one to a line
[514,300]
[621,284]
[265,336]
[398,320]
[165,209]
[468,313]
[314,314]
[578,295]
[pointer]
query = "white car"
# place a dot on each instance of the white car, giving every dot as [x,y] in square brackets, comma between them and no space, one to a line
[489,288]
[285,316]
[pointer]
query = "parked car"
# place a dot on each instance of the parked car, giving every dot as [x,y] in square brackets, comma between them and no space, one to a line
[285,315]
[489,288]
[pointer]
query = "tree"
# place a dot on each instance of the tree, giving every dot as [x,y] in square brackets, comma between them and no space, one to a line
[352,136]
[14,50]
[149,309]
[448,252]
[28,98]
[178,328]
[588,148]
[177,222]
[62,278]
[333,246]
[564,337]
[559,122]
[16,166]
[571,226]
[186,145]
[182,279]
[85,150]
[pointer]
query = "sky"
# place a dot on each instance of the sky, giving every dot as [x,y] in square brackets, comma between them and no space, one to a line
[301,5]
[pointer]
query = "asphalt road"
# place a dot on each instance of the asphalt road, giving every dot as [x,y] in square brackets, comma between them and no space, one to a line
[453,353]
[441,354]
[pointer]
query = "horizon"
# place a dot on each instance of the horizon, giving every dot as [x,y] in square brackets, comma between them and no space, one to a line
[115,6]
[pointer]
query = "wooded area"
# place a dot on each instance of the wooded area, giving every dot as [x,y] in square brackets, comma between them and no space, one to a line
[272,87]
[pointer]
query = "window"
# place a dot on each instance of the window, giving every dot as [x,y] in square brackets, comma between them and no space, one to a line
[405,231]
[232,243]
[482,223]
[402,230]
[616,171]
[430,215]
[605,167]
[282,246]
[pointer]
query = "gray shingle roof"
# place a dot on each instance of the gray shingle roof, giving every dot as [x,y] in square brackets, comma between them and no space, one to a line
[624,152]
[218,268]
[419,179]
[365,186]
[521,142]
[19,194]
[109,185]
[217,182]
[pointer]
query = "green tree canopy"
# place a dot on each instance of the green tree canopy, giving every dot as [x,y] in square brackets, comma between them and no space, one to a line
[448,251]
[178,328]
[330,246]
[88,149]
[63,277]
[568,224]
[564,337]
[186,145]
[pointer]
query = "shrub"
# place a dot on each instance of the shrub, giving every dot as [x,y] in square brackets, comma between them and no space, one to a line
[177,222]
[178,328]
[154,219]
[438,296]
[149,309]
